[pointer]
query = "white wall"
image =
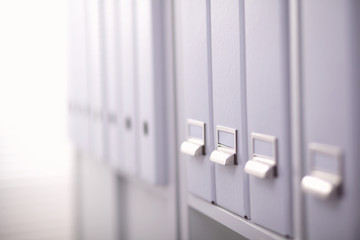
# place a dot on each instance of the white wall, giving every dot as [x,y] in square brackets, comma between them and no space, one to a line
[35,169]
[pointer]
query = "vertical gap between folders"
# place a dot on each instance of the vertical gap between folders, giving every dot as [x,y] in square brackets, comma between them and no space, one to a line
[296,118]
[211,112]
[243,134]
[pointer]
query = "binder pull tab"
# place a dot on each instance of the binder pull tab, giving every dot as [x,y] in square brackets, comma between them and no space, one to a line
[262,165]
[225,153]
[192,147]
[195,143]
[323,183]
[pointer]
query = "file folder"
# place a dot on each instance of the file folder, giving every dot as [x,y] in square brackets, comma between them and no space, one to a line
[330,83]
[113,145]
[78,85]
[228,78]
[268,114]
[95,77]
[152,147]
[128,123]
[197,93]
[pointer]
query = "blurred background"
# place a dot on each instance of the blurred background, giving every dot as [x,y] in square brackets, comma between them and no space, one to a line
[36,171]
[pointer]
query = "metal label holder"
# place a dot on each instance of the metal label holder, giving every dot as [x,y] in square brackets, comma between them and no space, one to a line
[194,146]
[223,154]
[260,165]
[320,183]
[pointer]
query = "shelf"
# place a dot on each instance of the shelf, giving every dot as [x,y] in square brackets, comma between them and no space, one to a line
[232,221]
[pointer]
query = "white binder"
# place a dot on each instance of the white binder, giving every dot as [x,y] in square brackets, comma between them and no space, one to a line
[196,70]
[228,85]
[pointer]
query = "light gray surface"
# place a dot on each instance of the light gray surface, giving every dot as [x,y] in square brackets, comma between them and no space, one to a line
[237,224]
[205,228]
[268,108]
[149,212]
[115,206]
[227,45]
[196,81]
[97,200]
[330,44]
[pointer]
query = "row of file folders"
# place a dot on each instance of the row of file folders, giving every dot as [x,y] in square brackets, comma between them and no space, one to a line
[235,69]
[117,84]
[238,115]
